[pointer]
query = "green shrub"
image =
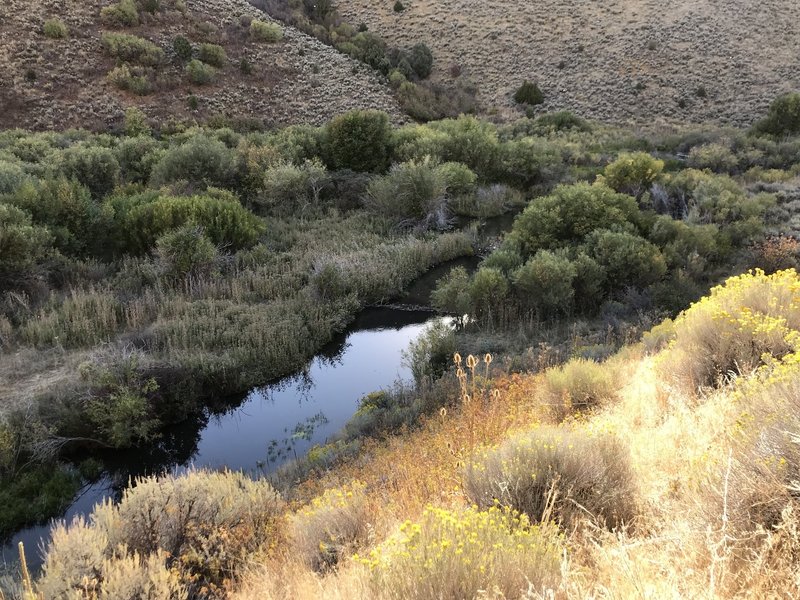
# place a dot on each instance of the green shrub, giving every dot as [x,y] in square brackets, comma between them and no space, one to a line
[200,161]
[129,48]
[398,7]
[186,252]
[740,324]
[528,93]
[783,117]
[199,72]
[55,29]
[529,162]
[428,101]
[137,157]
[359,140]
[93,166]
[505,258]
[265,32]
[430,354]
[569,214]
[22,244]
[717,157]
[459,179]
[135,81]
[411,193]
[12,176]
[287,188]
[633,174]
[589,472]
[589,283]
[121,14]
[559,121]
[371,49]
[460,554]
[224,221]
[420,59]
[451,294]
[544,283]
[182,48]
[212,54]
[169,535]
[487,291]
[628,259]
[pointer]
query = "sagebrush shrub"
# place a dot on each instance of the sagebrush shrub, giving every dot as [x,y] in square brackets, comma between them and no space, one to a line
[265,32]
[121,14]
[577,385]
[131,48]
[55,29]
[528,93]
[633,174]
[413,192]
[359,141]
[212,54]
[199,72]
[544,283]
[558,473]
[451,555]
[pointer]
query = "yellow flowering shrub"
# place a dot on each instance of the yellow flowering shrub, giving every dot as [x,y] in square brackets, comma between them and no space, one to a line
[454,555]
[735,329]
[330,525]
[556,472]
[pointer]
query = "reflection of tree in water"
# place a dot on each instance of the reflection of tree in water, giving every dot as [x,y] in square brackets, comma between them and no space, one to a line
[280,450]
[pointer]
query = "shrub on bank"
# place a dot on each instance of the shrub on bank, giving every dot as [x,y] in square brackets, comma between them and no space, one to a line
[575,386]
[566,475]
[633,174]
[544,283]
[528,93]
[130,48]
[55,29]
[359,141]
[212,54]
[262,31]
[121,14]
[199,72]
[412,193]
[201,161]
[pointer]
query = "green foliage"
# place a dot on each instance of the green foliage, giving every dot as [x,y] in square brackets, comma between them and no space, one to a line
[186,252]
[569,214]
[459,179]
[411,192]
[359,140]
[22,244]
[130,79]
[430,355]
[529,162]
[628,259]
[528,93]
[370,48]
[93,166]
[452,293]
[544,283]
[137,156]
[265,32]
[130,48]
[136,123]
[783,117]
[633,174]
[398,7]
[420,59]
[182,48]
[716,157]
[590,473]
[55,29]
[12,176]
[487,292]
[212,54]
[224,221]
[286,188]
[121,14]
[199,72]
[119,407]
[201,161]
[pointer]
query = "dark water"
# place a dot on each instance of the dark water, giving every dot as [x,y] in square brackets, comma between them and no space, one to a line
[282,420]
[271,424]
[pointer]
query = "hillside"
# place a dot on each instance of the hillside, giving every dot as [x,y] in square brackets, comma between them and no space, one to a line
[49,83]
[624,60]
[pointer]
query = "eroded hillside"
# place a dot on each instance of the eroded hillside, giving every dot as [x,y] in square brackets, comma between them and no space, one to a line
[63,82]
[622,60]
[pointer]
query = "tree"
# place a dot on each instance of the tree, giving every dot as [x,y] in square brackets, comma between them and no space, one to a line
[359,140]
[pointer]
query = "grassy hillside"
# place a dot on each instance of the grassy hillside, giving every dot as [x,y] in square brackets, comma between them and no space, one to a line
[66,77]
[623,61]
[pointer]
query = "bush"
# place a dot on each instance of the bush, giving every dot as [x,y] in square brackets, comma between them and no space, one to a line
[487,292]
[717,157]
[11,177]
[121,14]
[212,54]
[633,174]
[420,59]
[182,48]
[575,386]
[451,294]
[544,283]
[783,117]
[201,161]
[262,31]
[427,101]
[55,29]
[289,189]
[430,354]
[627,258]
[359,140]
[459,179]
[136,123]
[185,533]
[529,162]
[740,324]
[370,48]
[224,221]
[22,244]
[199,72]
[129,48]
[528,93]
[412,193]
[137,156]
[569,214]
[451,555]
[93,166]
[186,252]
[589,473]
[135,81]
[332,526]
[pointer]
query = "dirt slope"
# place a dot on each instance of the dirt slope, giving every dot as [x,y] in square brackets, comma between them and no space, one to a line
[620,60]
[57,83]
